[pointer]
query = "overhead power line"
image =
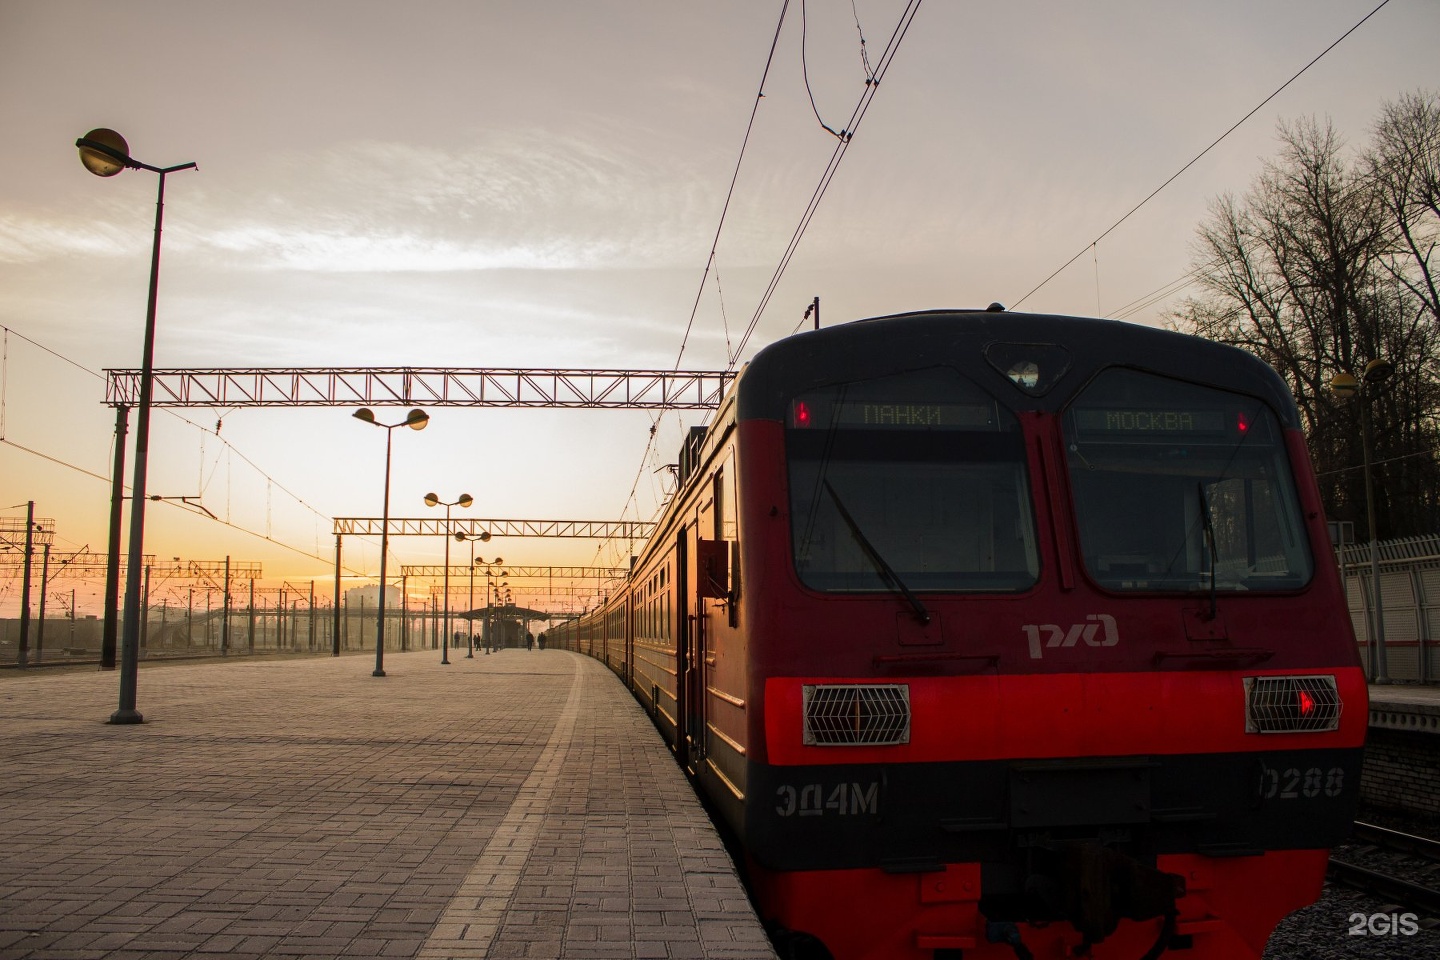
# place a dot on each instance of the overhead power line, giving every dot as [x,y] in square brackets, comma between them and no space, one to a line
[1199,156]
[710,260]
[847,133]
[872,85]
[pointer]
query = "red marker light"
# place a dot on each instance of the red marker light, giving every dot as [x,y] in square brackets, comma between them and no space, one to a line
[1242,422]
[1307,703]
[802,414]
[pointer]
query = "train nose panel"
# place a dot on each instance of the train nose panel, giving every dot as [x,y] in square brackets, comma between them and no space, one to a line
[1063,793]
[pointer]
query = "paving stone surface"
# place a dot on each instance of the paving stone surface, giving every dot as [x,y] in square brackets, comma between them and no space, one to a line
[512,805]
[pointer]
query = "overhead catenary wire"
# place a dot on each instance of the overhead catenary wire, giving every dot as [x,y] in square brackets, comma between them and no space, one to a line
[710,260]
[872,86]
[177,415]
[805,74]
[230,447]
[1195,274]
[734,178]
[1158,295]
[171,502]
[872,83]
[1196,159]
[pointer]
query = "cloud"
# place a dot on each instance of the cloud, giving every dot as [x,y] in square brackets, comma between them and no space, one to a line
[525,200]
[528,202]
[29,239]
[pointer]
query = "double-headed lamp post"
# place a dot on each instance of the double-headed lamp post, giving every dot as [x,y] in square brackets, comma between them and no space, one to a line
[432,500]
[509,602]
[482,536]
[415,420]
[489,609]
[1346,386]
[105,153]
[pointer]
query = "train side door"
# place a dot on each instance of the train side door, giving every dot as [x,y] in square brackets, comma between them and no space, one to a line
[699,560]
[684,624]
[710,574]
[627,669]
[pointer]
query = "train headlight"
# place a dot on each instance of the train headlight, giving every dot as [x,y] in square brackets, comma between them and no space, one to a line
[863,714]
[1301,704]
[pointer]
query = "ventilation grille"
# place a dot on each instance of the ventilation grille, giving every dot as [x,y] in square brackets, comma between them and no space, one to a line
[1308,704]
[855,715]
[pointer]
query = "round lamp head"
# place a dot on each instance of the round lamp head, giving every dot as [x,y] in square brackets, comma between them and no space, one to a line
[465,501]
[1378,370]
[364,414]
[417,419]
[485,536]
[431,499]
[1344,385]
[105,152]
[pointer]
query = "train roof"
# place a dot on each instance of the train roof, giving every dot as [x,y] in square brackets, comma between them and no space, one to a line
[963,339]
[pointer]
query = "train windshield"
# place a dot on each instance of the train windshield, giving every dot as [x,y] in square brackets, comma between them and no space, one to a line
[1180,487]
[909,483]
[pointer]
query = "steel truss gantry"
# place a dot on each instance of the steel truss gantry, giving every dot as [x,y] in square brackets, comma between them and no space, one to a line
[542,592]
[73,564]
[236,569]
[433,527]
[424,387]
[551,573]
[13,530]
[235,387]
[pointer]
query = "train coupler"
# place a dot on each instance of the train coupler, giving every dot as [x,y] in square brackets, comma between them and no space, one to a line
[1009,934]
[1094,887]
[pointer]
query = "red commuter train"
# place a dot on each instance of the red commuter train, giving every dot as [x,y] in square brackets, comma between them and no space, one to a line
[1001,635]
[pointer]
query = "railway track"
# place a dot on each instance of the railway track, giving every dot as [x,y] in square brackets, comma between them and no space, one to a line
[1421,897]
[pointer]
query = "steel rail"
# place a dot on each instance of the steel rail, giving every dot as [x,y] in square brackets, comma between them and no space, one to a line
[1425,847]
[1391,889]
[1383,886]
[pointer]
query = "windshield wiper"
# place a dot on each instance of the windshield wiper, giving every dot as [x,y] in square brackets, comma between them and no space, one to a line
[1209,539]
[886,571]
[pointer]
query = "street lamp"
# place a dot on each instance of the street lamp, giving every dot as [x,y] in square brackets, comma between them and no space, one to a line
[431,500]
[105,153]
[415,420]
[1346,386]
[482,536]
[489,611]
[508,602]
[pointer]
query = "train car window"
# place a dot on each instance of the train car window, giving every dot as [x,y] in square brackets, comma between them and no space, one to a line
[725,507]
[1180,487]
[922,473]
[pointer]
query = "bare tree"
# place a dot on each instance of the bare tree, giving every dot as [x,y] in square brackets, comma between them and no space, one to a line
[1403,167]
[1324,265]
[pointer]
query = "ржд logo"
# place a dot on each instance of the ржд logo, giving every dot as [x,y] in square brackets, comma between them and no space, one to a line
[1058,636]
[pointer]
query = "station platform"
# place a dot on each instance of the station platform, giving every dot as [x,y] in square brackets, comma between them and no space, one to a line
[1405,706]
[512,805]
[1402,752]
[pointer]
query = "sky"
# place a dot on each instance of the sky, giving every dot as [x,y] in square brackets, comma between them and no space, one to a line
[539,184]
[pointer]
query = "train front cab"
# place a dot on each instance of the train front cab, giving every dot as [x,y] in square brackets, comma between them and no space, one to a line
[1106,699]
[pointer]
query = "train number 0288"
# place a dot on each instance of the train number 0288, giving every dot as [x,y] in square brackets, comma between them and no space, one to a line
[1294,783]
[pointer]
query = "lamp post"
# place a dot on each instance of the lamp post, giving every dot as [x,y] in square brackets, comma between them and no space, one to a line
[431,500]
[1346,386]
[105,153]
[489,612]
[482,536]
[415,420]
[502,595]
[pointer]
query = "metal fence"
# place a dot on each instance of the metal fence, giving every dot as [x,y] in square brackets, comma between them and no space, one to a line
[1409,602]
[182,631]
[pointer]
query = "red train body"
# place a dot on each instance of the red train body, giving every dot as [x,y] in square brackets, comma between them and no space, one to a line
[998,635]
